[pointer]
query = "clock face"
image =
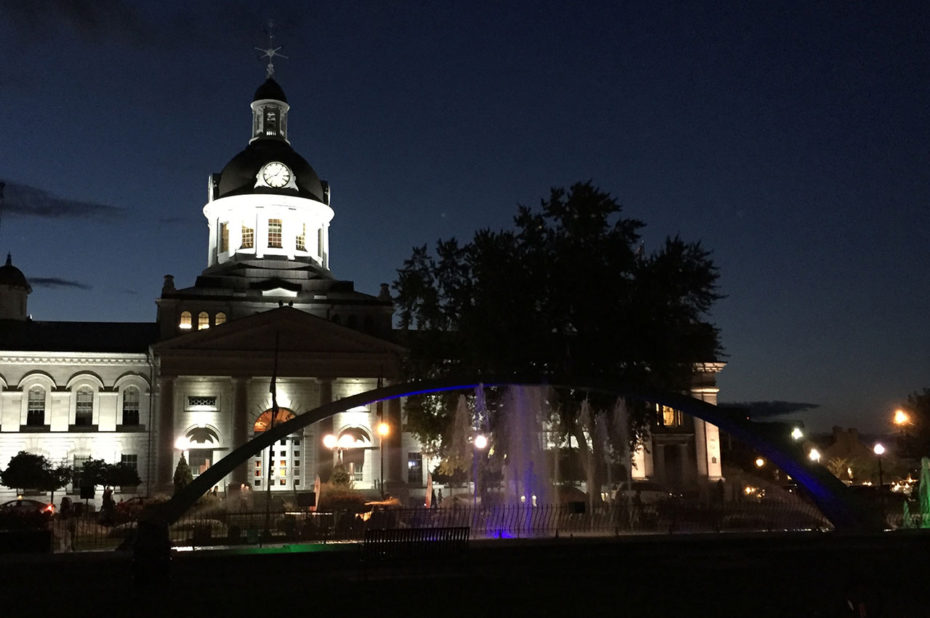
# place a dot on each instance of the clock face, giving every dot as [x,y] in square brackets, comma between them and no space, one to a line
[276,174]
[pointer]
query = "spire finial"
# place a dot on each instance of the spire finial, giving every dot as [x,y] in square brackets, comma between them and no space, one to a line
[270,52]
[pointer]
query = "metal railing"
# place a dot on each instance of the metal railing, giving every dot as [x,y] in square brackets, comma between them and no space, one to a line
[219,527]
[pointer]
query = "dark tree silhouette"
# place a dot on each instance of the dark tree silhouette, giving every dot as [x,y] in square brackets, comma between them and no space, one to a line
[570,292]
[31,471]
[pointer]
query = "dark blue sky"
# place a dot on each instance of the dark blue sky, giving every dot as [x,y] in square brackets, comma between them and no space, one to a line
[790,138]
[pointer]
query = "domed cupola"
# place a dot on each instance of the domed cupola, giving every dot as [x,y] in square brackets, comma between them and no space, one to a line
[13,291]
[269,164]
[268,202]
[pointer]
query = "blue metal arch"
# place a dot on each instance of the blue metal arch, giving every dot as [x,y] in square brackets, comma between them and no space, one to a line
[830,495]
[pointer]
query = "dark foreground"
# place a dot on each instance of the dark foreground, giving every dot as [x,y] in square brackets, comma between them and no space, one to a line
[811,574]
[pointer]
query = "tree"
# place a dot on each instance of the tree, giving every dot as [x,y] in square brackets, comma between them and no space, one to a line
[31,471]
[182,475]
[122,475]
[569,293]
[915,435]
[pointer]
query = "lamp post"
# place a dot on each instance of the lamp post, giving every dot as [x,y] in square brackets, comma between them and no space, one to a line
[383,430]
[481,442]
[814,455]
[879,450]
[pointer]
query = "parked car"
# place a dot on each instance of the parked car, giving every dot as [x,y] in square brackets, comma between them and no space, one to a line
[649,492]
[26,506]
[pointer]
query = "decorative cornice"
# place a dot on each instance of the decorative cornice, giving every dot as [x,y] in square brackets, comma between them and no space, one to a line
[72,358]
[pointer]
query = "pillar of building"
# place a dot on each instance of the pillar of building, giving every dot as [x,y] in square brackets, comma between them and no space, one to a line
[165,454]
[240,427]
[393,457]
[324,462]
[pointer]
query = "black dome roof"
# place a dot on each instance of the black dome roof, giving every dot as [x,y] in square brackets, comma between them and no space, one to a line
[270,90]
[12,276]
[239,175]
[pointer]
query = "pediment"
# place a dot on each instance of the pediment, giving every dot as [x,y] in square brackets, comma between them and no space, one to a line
[295,331]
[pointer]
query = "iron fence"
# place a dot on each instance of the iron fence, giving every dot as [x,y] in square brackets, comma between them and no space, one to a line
[218,526]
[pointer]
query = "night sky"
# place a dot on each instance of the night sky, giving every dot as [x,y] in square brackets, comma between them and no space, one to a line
[791,139]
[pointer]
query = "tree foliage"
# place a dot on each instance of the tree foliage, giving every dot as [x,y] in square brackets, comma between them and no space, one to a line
[182,475]
[31,471]
[568,293]
[915,438]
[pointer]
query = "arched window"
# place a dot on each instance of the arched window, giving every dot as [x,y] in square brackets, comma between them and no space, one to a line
[131,406]
[264,420]
[84,407]
[220,318]
[35,407]
[203,320]
[185,323]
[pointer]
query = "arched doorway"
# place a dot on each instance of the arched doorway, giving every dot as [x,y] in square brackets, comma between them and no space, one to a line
[202,448]
[284,455]
[350,446]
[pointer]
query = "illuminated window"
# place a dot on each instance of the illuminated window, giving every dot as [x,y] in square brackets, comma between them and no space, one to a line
[415,468]
[670,417]
[130,460]
[302,238]
[35,410]
[201,403]
[203,320]
[224,237]
[220,318]
[131,406]
[84,407]
[185,323]
[271,121]
[77,469]
[274,233]
[248,237]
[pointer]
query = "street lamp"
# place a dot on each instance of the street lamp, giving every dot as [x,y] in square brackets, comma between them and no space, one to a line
[879,450]
[797,434]
[481,442]
[814,455]
[760,462]
[383,430]
[901,418]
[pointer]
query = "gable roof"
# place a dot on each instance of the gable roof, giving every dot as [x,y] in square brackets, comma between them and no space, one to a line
[306,345]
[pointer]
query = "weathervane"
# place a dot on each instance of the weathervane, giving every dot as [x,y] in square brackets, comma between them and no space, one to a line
[270,52]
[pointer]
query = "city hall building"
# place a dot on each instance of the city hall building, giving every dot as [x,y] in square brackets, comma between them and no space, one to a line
[197,380]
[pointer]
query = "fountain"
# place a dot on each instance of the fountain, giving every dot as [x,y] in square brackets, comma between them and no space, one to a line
[923,493]
[525,473]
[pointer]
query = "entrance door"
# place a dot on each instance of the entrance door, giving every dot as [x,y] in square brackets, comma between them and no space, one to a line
[285,466]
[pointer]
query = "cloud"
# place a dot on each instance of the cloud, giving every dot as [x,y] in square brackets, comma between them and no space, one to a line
[766,409]
[55,282]
[95,21]
[26,201]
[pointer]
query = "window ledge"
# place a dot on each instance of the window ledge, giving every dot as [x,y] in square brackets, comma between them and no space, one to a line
[130,428]
[35,428]
[82,428]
